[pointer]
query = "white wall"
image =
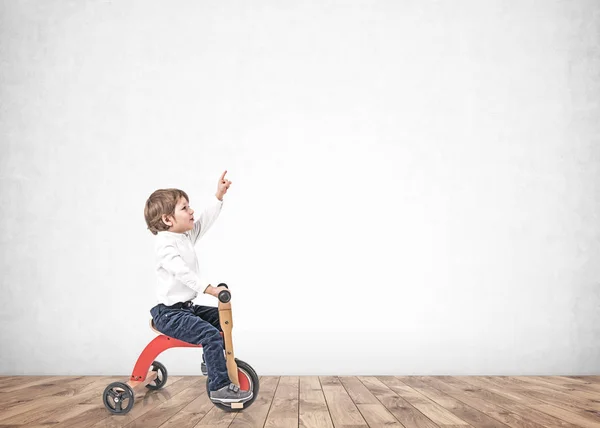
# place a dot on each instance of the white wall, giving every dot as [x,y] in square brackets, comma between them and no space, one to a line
[416,184]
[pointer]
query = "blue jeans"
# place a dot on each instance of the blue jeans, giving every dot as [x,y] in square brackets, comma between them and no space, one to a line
[198,325]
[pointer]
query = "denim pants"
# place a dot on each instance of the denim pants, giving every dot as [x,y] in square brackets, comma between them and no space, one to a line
[198,325]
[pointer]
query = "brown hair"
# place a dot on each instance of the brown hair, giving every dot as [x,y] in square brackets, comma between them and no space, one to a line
[162,201]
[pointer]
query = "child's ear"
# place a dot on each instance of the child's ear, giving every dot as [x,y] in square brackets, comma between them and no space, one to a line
[166,220]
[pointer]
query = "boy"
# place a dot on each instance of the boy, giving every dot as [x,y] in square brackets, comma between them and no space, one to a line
[179,280]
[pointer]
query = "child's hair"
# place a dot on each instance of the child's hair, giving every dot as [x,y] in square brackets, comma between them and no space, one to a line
[162,201]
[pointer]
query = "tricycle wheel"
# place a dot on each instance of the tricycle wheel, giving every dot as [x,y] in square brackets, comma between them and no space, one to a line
[118,398]
[161,376]
[248,382]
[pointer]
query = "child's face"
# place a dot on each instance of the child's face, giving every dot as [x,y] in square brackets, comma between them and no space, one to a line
[183,220]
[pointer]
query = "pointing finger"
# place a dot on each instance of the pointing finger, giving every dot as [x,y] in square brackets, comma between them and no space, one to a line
[223,175]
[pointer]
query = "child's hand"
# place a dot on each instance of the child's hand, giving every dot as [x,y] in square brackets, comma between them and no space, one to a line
[222,186]
[214,291]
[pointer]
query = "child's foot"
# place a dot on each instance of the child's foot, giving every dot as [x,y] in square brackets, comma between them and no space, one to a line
[230,394]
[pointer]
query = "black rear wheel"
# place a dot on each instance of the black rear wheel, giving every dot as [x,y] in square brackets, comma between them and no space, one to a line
[161,376]
[118,398]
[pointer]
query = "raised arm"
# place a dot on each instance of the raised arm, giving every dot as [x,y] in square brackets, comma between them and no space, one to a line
[210,214]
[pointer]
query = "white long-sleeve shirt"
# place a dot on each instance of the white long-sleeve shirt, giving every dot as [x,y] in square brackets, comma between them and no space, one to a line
[179,278]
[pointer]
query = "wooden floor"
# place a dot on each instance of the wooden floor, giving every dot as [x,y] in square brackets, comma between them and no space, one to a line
[320,402]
